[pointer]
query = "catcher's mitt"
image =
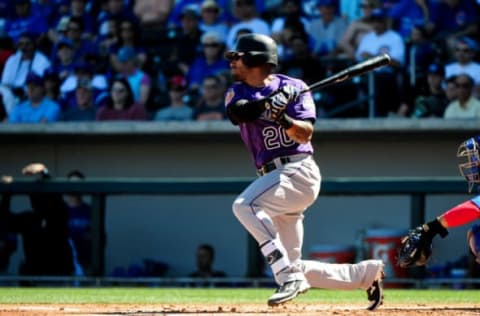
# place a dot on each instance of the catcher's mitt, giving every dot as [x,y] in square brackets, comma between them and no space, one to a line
[415,250]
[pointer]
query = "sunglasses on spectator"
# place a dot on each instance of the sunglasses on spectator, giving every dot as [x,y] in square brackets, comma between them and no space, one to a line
[74,29]
[465,85]
[463,50]
[118,90]
[211,45]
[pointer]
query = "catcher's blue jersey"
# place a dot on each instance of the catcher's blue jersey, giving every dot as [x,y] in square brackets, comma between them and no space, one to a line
[264,138]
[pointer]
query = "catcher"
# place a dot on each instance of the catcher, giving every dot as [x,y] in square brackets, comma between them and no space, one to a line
[416,247]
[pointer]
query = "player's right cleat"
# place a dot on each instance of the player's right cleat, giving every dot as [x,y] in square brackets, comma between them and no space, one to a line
[375,292]
[288,291]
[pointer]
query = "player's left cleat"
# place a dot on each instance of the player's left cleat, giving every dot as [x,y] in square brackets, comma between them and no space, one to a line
[288,291]
[375,292]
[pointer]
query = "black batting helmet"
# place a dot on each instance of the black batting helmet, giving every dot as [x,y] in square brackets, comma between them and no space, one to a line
[255,50]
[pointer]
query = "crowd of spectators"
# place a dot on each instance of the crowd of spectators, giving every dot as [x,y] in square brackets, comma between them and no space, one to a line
[77,60]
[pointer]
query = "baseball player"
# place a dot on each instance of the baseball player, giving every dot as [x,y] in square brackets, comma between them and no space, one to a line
[276,124]
[416,247]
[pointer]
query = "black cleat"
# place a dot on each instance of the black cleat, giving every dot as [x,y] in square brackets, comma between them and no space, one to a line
[375,293]
[288,291]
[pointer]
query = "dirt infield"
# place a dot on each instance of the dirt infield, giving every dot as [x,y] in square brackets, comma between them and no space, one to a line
[291,309]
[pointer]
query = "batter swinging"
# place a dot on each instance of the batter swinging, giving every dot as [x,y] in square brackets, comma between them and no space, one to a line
[277,132]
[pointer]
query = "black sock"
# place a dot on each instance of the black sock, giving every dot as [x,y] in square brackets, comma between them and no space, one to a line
[434,227]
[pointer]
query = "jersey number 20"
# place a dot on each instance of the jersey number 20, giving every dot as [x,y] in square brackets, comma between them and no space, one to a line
[276,137]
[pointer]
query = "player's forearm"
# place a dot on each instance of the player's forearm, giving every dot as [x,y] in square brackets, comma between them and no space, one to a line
[245,111]
[299,131]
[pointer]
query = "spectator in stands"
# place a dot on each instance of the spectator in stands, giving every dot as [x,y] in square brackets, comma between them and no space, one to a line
[26,59]
[211,106]
[44,231]
[109,38]
[64,62]
[52,85]
[80,225]
[153,14]
[293,27]
[302,63]
[188,44]
[129,37]
[466,106]
[405,14]
[211,19]
[114,9]
[290,10]
[434,101]
[25,20]
[82,46]
[8,239]
[177,110]
[387,79]
[210,62]
[465,50]
[454,18]
[422,51]
[205,257]
[174,19]
[248,18]
[37,108]
[358,28]
[84,108]
[327,29]
[121,105]
[140,82]
[77,9]
[82,70]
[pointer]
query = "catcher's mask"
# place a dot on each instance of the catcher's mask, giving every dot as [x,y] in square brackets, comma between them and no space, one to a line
[254,50]
[469,166]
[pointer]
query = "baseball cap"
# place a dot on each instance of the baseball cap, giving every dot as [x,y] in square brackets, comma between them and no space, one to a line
[177,82]
[436,68]
[191,12]
[21,1]
[211,37]
[209,4]
[471,43]
[126,54]
[33,78]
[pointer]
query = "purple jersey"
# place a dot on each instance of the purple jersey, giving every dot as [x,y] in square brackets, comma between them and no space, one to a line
[264,138]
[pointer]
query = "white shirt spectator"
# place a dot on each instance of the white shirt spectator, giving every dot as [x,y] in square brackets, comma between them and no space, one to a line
[472,69]
[471,110]
[389,42]
[16,70]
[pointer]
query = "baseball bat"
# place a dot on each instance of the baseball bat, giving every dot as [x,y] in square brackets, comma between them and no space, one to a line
[352,71]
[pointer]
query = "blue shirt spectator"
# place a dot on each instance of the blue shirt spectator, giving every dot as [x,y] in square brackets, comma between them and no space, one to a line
[210,62]
[37,108]
[452,18]
[408,13]
[25,20]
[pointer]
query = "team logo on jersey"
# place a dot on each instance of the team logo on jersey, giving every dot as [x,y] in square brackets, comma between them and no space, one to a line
[229,96]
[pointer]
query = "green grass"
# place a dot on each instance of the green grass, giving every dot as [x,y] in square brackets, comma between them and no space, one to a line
[218,296]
